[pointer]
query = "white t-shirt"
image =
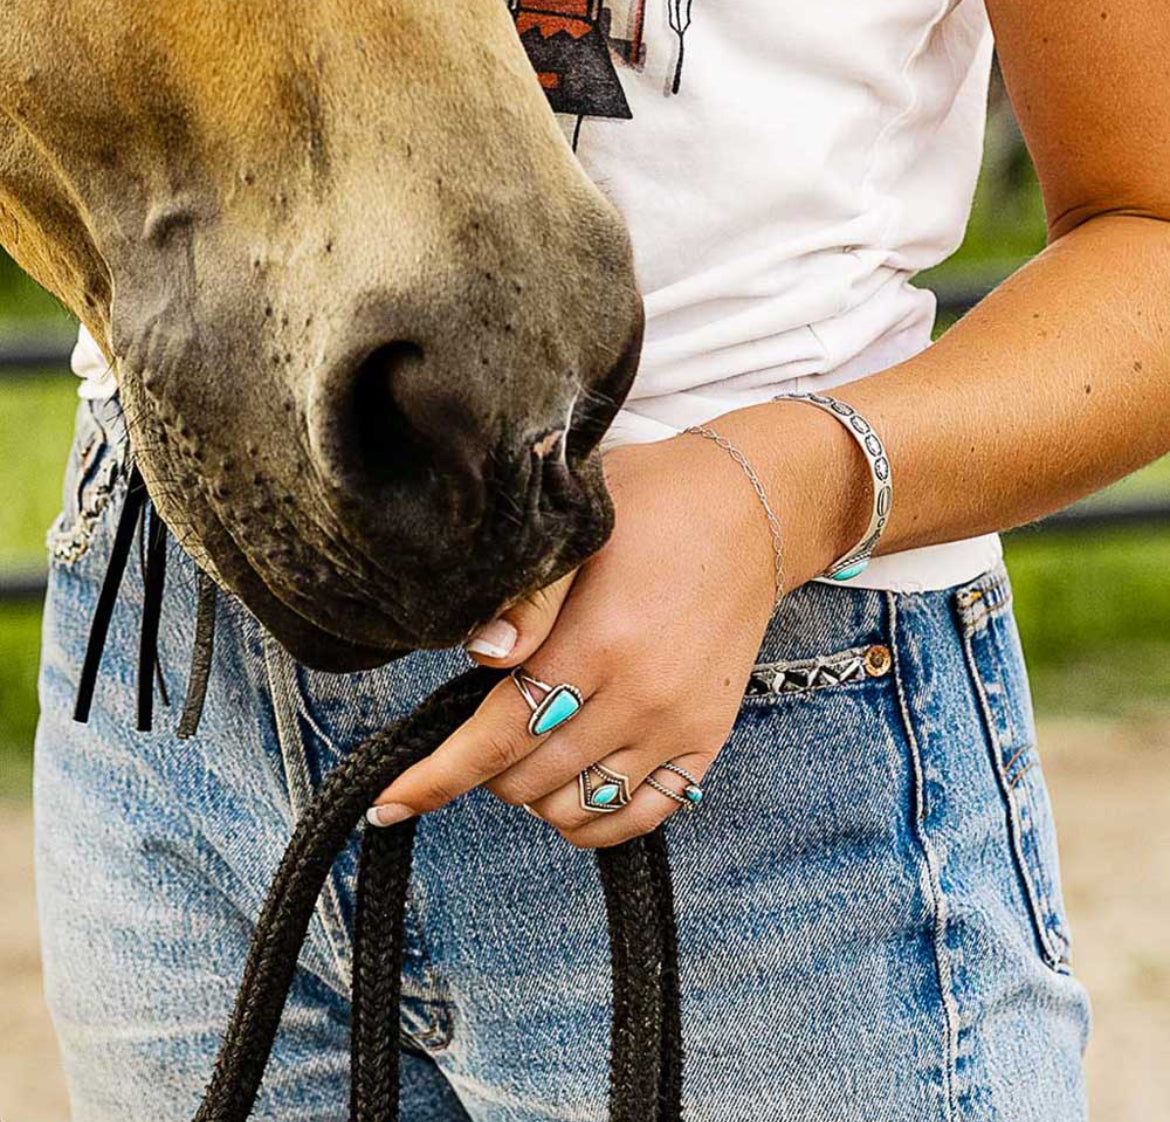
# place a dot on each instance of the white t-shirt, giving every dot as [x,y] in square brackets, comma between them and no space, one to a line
[784,169]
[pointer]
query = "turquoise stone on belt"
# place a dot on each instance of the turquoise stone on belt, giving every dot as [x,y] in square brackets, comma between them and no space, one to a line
[561,703]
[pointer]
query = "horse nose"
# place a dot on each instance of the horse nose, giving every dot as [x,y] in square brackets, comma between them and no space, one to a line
[404,424]
[416,428]
[387,423]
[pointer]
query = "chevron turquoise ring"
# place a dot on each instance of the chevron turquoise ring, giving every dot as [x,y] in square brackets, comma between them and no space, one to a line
[603,790]
[554,707]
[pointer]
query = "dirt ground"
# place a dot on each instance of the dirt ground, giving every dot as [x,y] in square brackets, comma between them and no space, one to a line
[1110,783]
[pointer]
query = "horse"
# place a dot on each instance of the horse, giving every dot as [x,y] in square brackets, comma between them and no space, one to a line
[368,317]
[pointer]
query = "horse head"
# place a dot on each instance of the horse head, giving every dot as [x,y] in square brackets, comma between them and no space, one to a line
[368,317]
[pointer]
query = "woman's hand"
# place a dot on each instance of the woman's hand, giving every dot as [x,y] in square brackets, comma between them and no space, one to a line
[659,631]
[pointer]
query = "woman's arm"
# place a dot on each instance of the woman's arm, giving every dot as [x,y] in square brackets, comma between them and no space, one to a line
[1059,382]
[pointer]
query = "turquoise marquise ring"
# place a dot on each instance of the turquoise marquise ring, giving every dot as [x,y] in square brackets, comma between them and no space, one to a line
[602,789]
[554,706]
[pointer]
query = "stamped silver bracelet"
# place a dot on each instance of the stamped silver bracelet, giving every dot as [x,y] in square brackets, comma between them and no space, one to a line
[856,560]
[758,487]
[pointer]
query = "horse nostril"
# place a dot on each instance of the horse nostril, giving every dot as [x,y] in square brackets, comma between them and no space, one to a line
[386,445]
[405,424]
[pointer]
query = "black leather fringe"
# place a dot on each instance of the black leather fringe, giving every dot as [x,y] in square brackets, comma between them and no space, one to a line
[154,577]
[108,597]
[202,653]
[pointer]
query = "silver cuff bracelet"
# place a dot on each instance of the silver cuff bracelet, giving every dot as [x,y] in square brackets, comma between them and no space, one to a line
[855,561]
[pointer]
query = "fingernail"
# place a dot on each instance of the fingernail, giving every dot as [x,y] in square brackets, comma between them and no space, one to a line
[495,639]
[388,814]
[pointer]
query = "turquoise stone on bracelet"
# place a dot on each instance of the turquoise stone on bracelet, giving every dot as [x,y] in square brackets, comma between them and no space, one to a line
[693,793]
[851,572]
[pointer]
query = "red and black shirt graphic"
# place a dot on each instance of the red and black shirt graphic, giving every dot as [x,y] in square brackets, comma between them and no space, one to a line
[572,45]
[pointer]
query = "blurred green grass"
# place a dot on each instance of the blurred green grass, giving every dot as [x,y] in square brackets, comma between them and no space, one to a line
[1094,609]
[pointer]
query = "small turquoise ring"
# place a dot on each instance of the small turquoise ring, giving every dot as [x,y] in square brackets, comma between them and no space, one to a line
[692,793]
[555,706]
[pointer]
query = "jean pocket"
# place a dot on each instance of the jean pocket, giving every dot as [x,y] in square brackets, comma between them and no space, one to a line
[799,677]
[92,474]
[996,663]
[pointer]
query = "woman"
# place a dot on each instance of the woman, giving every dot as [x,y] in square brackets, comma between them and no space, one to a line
[869,910]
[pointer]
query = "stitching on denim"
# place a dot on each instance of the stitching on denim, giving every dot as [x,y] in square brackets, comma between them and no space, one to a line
[990,595]
[1020,774]
[1006,769]
[282,686]
[770,680]
[933,878]
[430,1039]
[436,996]
[1052,955]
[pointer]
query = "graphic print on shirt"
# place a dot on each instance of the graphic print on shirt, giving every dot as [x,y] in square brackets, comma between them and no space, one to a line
[572,45]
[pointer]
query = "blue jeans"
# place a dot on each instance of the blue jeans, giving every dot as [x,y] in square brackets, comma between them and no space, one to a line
[869,909]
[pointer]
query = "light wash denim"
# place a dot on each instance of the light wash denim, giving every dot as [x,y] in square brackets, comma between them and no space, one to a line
[869,911]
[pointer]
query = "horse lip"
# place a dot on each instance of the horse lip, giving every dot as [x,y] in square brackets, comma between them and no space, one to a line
[597,406]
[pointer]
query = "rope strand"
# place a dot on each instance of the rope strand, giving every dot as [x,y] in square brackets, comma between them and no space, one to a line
[645,1035]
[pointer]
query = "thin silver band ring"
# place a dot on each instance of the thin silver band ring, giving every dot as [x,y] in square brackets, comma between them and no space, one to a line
[692,793]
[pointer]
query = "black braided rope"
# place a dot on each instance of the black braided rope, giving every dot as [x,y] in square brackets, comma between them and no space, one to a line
[646,1036]
[645,1043]
[383,876]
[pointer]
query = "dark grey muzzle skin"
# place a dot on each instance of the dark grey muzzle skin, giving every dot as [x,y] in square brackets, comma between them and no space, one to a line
[390,476]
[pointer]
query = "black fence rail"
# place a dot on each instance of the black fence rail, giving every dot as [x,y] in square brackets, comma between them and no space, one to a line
[23,585]
[34,357]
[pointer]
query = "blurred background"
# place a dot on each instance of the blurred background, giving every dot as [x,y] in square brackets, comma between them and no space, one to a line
[1092,591]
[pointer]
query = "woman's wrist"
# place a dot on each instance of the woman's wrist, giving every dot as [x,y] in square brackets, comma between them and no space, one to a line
[815,476]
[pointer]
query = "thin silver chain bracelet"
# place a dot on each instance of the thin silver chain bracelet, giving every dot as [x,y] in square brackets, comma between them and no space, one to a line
[758,487]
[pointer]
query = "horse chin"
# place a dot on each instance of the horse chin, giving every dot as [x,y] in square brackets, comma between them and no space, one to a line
[436,606]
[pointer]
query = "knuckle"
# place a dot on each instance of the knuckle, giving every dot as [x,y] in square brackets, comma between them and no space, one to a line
[438,792]
[708,737]
[498,750]
[578,840]
[616,638]
[514,792]
[565,821]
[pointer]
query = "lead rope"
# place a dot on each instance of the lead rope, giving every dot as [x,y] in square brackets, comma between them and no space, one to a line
[646,1054]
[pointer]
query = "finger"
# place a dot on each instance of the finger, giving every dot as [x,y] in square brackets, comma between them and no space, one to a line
[599,730]
[647,809]
[562,808]
[516,634]
[494,738]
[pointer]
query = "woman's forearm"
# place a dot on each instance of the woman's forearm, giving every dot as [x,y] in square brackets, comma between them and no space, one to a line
[1055,385]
